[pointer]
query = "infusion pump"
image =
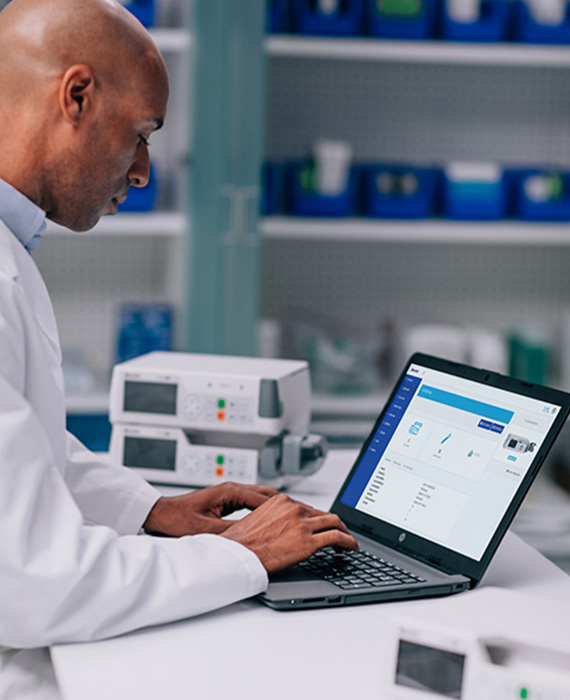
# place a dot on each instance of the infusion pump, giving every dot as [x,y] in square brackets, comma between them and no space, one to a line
[198,420]
[487,644]
[212,393]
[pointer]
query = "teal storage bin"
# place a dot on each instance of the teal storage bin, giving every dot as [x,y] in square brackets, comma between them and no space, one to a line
[475,198]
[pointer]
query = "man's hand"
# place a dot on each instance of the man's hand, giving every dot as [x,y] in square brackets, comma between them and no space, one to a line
[283,532]
[203,511]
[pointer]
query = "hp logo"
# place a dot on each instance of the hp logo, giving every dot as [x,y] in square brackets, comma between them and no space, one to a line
[402,537]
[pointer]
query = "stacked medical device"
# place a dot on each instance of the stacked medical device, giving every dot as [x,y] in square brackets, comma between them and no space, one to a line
[199,420]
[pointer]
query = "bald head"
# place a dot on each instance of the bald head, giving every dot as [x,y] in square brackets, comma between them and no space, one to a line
[76,74]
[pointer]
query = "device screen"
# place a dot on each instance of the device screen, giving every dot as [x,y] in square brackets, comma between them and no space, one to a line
[150,397]
[448,457]
[430,669]
[150,453]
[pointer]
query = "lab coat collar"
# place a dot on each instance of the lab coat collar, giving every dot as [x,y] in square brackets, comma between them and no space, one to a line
[25,219]
[18,265]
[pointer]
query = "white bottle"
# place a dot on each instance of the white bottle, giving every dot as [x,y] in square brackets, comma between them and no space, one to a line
[332,167]
[547,12]
[465,11]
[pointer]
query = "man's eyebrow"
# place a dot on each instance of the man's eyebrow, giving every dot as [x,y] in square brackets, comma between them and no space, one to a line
[159,121]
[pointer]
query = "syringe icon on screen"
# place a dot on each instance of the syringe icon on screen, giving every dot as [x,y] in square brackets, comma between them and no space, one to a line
[445,439]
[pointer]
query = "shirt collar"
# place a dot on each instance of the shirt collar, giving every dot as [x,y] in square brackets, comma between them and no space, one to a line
[25,219]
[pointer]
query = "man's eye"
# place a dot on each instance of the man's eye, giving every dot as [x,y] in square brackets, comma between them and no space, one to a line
[142,139]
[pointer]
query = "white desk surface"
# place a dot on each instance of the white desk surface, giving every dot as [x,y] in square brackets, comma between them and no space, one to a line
[250,651]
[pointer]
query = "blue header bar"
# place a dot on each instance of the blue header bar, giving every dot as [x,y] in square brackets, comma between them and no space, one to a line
[463,403]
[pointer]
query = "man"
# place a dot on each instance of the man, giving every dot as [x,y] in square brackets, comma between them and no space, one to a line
[82,88]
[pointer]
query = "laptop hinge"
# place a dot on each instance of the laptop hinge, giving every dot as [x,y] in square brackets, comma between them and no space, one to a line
[430,561]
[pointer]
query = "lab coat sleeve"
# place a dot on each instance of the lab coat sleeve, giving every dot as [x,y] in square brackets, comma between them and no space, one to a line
[63,580]
[106,493]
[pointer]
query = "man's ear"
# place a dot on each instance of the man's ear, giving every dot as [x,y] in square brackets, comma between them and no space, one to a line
[76,93]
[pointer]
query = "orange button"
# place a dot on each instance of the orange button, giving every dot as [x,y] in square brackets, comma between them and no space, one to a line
[219,471]
[221,415]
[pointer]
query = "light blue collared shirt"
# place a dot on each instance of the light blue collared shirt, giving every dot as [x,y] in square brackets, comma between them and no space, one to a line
[25,219]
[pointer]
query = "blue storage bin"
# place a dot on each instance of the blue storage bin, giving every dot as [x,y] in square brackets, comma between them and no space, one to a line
[473,200]
[527,29]
[346,22]
[550,200]
[302,201]
[93,430]
[415,20]
[143,10]
[141,199]
[272,189]
[143,328]
[278,16]
[492,24]
[410,194]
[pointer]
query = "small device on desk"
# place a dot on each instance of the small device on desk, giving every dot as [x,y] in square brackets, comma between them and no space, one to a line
[198,420]
[491,644]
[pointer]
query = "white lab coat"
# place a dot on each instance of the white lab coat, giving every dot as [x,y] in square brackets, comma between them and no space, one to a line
[72,566]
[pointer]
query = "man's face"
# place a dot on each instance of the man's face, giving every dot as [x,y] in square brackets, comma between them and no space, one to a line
[105,160]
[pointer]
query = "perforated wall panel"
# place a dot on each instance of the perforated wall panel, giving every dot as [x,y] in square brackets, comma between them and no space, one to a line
[402,112]
[425,113]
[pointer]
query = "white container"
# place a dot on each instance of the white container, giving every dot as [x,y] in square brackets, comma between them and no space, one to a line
[332,166]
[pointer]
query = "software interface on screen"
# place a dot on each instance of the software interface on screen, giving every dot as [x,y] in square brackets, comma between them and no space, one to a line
[447,458]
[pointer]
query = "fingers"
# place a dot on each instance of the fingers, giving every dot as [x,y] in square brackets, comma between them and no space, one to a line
[328,521]
[283,532]
[235,496]
[337,539]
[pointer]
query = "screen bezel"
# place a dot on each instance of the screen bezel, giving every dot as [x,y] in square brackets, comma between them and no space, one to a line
[413,544]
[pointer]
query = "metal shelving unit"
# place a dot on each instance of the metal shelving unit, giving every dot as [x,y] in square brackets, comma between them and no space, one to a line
[426,103]
[424,231]
[434,51]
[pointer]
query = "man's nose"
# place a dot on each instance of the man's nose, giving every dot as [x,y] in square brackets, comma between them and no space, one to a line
[139,172]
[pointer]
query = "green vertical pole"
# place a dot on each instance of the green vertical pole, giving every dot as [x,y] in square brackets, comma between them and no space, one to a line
[223,251]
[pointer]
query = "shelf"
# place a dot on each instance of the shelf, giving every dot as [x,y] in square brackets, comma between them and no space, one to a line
[172,40]
[171,224]
[424,231]
[434,51]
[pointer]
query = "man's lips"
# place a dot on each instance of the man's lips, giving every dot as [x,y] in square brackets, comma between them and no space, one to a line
[114,204]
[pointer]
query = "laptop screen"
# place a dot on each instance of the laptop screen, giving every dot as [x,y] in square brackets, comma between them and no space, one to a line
[447,458]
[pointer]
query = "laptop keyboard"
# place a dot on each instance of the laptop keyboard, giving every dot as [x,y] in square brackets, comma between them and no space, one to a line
[356,570]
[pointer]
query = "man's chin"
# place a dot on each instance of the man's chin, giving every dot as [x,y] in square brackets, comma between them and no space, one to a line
[80,226]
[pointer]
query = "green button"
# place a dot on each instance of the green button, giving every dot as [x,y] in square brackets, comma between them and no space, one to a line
[220,460]
[221,403]
[524,693]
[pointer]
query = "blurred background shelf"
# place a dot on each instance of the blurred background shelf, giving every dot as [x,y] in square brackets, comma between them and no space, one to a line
[425,231]
[434,51]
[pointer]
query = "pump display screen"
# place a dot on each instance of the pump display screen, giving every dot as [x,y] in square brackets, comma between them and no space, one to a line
[150,453]
[150,397]
[427,668]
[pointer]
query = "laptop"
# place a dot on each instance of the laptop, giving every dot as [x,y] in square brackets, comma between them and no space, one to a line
[434,488]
